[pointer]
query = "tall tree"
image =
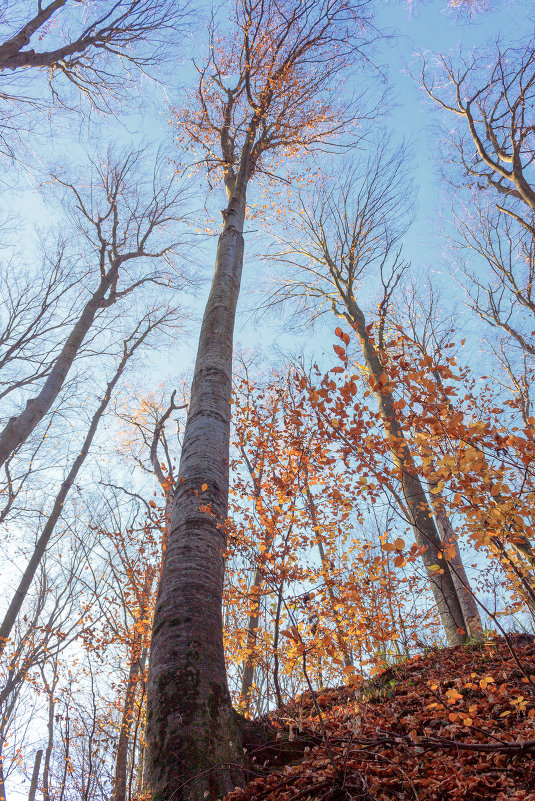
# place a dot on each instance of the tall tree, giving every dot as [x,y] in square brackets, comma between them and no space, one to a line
[143,330]
[120,219]
[268,90]
[350,234]
[492,95]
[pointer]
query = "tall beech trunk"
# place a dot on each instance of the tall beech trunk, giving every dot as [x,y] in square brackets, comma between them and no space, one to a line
[15,606]
[192,735]
[51,690]
[35,775]
[120,778]
[421,517]
[472,618]
[3,796]
[18,428]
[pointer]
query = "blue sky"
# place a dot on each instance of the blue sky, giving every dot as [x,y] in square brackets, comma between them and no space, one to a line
[429,26]
[424,27]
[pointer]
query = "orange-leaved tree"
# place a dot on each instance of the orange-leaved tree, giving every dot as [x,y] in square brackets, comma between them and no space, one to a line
[304,576]
[350,235]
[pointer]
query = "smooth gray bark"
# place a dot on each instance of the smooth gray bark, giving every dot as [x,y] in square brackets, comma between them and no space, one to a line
[192,737]
[51,690]
[466,597]
[3,796]
[35,775]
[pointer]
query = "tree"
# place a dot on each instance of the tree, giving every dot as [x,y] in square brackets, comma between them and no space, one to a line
[133,553]
[492,94]
[130,345]
[302,570]
[350,232]
[89,47]
[267,91]
[121,219]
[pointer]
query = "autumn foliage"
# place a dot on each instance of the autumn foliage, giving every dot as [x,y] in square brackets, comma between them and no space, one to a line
[452,724]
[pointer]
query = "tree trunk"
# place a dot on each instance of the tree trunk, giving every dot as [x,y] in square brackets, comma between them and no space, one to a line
[472,618]
[192,737]
[42,543]
[121,755]
[252,632]
[421,517]
[18,428]
[3,796]
[35,775]
[50,741]
[276,683]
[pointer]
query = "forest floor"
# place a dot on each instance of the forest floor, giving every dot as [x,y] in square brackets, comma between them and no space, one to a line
[457,723]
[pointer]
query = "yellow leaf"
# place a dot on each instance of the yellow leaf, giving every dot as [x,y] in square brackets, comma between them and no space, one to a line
[204,487]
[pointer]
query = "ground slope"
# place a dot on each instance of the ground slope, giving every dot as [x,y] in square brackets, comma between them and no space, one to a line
[458,723]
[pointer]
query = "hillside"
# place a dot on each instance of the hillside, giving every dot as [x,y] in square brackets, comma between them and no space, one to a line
[458,723]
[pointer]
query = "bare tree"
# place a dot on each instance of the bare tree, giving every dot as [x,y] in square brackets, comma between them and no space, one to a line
[350,235]
[152,321]
[51,625]
[32,306]
[267,91]
[492,94]
[91,48]
[156,440]
[124,224]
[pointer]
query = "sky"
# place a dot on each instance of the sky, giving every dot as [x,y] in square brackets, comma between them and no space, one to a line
[415,28]
[427,26]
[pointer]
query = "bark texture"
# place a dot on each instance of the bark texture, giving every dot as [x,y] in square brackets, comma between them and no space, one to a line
[192,737]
